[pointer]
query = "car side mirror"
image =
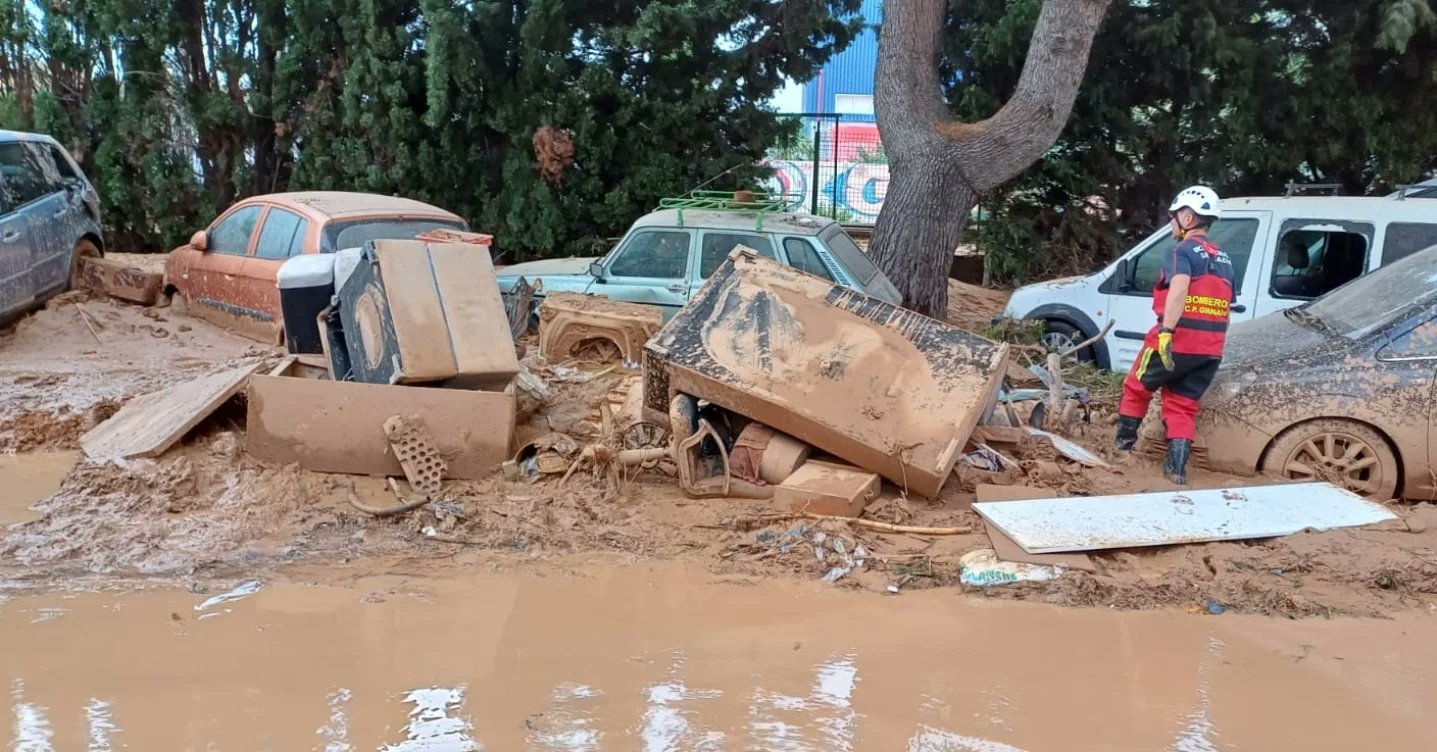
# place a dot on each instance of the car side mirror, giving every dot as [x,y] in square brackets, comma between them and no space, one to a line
[1124,275]
[200,241]
[596,270]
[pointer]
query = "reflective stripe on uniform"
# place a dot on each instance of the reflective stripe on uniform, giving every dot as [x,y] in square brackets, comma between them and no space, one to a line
[1143,361]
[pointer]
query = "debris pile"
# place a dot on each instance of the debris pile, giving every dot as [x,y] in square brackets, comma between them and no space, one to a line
[780,423]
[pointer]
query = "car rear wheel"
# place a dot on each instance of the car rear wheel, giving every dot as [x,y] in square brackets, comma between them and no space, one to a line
[1343,452]
[83,250]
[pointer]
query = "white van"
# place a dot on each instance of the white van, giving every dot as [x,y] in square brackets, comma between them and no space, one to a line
[1285,251]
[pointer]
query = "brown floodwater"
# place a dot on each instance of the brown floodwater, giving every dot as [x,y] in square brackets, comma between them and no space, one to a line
[663,657]
[28,478]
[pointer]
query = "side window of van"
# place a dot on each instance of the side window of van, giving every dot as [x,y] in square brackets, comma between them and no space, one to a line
[1233,236]
[1403,239]
[1314,258]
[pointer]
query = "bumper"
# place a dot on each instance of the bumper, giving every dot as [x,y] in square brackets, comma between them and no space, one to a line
[1229,444]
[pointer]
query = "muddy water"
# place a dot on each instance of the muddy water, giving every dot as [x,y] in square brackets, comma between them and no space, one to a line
[663,658]
[28,478]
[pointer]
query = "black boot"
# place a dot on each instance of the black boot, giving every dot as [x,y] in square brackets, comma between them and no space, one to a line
[1127,433]
[1175,467]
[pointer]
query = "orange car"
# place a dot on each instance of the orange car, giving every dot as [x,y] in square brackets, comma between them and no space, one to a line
[227,273]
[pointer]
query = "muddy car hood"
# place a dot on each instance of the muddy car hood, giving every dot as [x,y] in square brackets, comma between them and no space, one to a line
[1273,339]
[562,274]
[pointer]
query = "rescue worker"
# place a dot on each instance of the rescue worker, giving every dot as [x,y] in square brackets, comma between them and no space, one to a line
[1181,353]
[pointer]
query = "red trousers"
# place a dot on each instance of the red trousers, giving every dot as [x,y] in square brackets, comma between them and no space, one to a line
[1182,387]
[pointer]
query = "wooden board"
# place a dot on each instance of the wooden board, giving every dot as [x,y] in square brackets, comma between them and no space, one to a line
[120,280]
[1004,546]
[148,425]
[827,488]
[1171,517]
[338,426]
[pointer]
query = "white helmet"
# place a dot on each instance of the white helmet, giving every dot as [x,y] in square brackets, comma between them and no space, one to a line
[1201,199]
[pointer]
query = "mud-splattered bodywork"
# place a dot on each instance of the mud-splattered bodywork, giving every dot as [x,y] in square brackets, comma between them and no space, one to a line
[50,209]
[1282,370]
[237,288]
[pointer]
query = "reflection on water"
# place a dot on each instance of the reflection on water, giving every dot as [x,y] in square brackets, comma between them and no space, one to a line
[662,660]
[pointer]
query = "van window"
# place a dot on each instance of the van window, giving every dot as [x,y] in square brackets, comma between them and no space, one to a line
[1233,236]
[1312,262]
[1403,239]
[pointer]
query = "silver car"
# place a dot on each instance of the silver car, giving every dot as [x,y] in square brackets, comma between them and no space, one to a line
[49,220]
[666,256]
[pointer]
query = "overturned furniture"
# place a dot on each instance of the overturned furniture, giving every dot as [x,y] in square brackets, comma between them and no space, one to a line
[413,312]
[888,390]
[570,321]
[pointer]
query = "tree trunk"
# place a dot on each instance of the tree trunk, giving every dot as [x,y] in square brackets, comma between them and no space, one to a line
[940,167]
[924,212]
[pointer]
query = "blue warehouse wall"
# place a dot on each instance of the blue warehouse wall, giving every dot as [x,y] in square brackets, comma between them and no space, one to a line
[849,73]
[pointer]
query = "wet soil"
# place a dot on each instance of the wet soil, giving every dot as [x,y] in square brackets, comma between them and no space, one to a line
[208,510]
[584,654]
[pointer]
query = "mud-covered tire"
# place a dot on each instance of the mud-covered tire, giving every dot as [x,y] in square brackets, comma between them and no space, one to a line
[86,248]
[1060,335]
[178,306]
[1344,452]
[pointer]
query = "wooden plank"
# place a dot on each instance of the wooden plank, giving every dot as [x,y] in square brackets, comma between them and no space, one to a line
[338,426]
[1008,550]
[120,280]
[992,492]
[1171,517]
[148,425]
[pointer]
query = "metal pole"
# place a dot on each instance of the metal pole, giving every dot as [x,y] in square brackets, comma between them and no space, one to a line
[817,140]
[836,118]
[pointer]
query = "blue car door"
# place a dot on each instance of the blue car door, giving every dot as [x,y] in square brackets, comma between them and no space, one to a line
[651,266]
[50,219]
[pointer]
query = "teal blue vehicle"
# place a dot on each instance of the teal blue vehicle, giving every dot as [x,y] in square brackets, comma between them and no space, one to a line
[668,254]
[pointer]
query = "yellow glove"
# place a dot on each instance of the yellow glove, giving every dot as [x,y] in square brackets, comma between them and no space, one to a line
[1165,349]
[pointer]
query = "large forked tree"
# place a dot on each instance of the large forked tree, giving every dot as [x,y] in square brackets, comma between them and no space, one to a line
[940,166]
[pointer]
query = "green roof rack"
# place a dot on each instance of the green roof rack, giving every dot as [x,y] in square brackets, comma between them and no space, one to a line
[757,202]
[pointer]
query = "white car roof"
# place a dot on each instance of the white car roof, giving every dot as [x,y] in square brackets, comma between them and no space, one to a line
[1349,208]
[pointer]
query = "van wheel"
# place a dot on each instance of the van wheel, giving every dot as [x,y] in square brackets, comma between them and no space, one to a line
[83,250]
[1060,335]
[1342,452]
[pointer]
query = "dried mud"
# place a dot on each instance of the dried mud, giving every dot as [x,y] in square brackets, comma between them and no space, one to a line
[207,509]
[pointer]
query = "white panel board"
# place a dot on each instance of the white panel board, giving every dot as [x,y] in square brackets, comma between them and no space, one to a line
[1189,516]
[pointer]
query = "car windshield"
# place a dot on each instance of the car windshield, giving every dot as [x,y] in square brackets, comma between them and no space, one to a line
[1370,301]
[854,259]
[358,232]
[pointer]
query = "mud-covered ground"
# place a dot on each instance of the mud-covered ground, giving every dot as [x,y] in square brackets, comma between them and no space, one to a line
[207,510]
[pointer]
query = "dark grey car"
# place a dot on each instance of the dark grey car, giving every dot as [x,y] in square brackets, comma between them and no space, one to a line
[1342,389]
[49,220]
